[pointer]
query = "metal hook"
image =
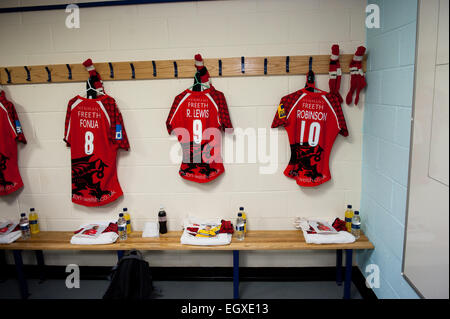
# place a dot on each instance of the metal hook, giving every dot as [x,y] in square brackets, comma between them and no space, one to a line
[111,70]
[28,73]
[265,66]
[49,74]
[133,73]
[154,68]
[175,68]
[220,67]
[70,71]
[8,74]
[242,65]
[287,64]
[310,77]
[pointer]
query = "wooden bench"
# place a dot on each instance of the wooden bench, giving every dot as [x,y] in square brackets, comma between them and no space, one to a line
[254,240]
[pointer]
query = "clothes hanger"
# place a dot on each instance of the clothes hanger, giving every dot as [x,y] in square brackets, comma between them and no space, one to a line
[92,92]
[310,80]
[197,84]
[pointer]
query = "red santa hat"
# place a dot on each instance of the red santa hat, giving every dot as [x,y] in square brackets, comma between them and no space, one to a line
[94,76]
[202,70]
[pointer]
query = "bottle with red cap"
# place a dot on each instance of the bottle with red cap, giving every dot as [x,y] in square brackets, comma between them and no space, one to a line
[162,218]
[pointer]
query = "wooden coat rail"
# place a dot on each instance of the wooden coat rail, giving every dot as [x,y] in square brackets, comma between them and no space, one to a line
[169,69]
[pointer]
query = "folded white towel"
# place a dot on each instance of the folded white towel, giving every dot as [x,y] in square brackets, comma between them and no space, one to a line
[102,239]
[220,239]
[150,230]
[11,237]
[341,237]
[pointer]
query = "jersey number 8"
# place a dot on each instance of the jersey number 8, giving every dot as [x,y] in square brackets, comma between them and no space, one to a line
[89,143]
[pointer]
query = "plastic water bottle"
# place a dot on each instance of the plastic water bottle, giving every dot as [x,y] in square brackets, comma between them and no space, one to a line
[162,218]
[240,233]
[24,226]
[122,225]
[356,225]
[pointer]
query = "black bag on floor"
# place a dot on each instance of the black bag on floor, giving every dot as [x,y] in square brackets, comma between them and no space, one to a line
[131,278]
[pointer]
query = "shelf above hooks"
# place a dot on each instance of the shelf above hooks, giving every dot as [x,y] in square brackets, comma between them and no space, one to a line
[171,69]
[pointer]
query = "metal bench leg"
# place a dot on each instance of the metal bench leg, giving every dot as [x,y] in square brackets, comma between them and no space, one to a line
[339,267]
[2,266]
[235,274]
[41,265]
[348,273]
[20,274]
[120,254]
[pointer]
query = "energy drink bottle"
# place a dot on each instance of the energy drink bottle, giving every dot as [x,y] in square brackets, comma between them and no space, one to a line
[34,222]
[126,215]
[348,218]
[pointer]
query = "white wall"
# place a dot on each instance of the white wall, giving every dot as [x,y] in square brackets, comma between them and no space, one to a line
[148,178]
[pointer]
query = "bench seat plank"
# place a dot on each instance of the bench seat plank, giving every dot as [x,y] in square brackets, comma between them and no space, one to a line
[254,240]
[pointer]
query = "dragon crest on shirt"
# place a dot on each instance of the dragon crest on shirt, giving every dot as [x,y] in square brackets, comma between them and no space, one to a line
[192,159]
[3,160]
[84,169]
[305,159]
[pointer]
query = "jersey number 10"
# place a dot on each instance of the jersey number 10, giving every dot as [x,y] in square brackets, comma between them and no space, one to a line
[314,133]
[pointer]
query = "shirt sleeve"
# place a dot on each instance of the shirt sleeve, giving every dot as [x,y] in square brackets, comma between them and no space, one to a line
[67,133]
[224,114]
[17,127]
[117,133]
[280,118]
[336,105]
[170,118]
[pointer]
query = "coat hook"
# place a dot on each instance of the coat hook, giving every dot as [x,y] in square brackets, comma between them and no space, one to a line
[287,64]
[111,70]
[220,67]
[9,75]
[70,71]
[154,68]
[310,79]
[133,74]
[242,65]
[175,68]
[49,74]
[265,66]
[28,73]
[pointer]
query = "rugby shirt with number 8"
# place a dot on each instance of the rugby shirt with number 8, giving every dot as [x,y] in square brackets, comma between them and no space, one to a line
[94,130]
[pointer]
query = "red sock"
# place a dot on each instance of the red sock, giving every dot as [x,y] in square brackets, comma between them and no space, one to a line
[357,80]
[335,72]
